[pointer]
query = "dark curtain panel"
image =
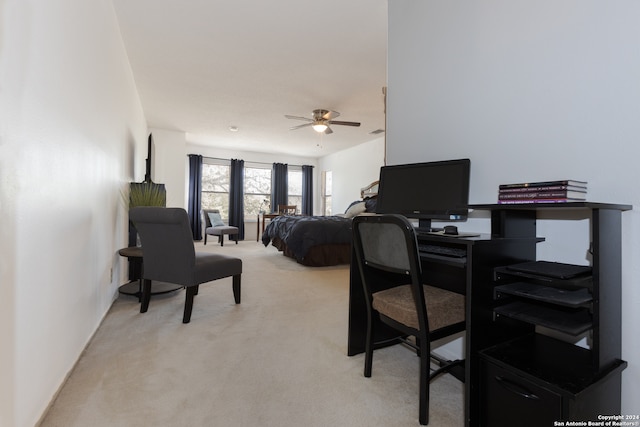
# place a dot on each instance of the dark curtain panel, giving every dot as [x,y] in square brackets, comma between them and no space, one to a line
[307,190]
[236,197]
[195,188]
[279,186]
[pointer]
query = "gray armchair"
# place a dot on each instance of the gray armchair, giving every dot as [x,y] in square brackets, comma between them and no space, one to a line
[169,255]
[215,227]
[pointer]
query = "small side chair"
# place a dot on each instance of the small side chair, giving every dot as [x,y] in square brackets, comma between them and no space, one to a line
[387,255]
[216,227]
[170,256]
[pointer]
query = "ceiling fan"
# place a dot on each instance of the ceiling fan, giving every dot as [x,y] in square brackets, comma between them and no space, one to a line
[321,121]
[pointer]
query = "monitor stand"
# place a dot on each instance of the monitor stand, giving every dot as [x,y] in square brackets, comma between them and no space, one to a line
[424,226]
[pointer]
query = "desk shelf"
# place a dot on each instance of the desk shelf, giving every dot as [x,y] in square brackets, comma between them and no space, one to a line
[565,297]
[569,321]
[571,382]
[459,262]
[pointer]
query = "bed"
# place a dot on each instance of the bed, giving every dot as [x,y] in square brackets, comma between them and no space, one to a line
[318,241]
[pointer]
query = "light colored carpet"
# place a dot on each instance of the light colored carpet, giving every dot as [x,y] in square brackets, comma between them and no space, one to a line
[277,359]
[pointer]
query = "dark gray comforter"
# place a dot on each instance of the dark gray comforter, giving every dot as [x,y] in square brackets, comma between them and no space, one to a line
[300,233]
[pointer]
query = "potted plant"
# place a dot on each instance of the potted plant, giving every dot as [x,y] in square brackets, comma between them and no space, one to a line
[147,194]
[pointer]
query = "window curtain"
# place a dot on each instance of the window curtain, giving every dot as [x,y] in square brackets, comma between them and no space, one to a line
[307,190]
[279,186]
[195,188]
[236,196]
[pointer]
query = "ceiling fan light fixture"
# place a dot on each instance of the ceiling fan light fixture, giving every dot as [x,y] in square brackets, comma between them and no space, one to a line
[319,127]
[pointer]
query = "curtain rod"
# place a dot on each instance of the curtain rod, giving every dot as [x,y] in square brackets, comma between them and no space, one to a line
[261,163]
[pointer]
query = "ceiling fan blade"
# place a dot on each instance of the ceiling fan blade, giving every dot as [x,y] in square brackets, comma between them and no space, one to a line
[328,131]
[300,126]
[330,115]
[336,122]
[306,119]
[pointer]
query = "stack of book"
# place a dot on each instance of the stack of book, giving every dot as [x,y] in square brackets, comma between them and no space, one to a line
[560,191]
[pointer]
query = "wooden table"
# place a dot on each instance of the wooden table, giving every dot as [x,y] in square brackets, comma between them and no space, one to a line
[265,216]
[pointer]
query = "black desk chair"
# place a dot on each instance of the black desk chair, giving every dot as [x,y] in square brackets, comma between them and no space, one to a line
[387,255]
[169,255]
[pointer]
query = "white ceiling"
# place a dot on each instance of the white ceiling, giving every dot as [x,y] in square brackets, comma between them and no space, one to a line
[202,66]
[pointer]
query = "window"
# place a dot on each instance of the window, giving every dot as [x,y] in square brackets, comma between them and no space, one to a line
[257,189]
[327,177]
[294,178]
[216,177]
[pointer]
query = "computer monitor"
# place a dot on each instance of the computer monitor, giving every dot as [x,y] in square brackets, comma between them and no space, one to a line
[426,191]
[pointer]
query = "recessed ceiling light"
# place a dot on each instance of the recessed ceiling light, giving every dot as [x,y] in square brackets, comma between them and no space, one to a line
[233,128]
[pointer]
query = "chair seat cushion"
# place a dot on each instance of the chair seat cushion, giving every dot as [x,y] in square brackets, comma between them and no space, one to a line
[444,307]
[220,230]
[210,267]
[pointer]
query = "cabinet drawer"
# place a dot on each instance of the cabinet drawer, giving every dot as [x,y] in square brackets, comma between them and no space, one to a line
[510,400]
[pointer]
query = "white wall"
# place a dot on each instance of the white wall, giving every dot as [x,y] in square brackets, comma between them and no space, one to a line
[352,169]
[170,165]
[72,135]
[529,91]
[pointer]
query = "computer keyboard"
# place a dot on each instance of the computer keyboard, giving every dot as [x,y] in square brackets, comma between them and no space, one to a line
[443,250]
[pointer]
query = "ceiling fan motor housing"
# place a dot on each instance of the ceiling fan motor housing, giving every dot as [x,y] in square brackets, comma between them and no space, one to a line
[321,120]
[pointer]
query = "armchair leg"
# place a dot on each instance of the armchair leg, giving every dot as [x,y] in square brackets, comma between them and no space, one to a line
[188,303]
[146,296]
[236,288]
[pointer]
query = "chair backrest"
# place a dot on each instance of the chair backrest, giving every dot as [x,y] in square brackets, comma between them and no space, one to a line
[167,244]
[386,248]
[287,209]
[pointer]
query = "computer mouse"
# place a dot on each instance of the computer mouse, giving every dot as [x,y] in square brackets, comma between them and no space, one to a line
[451,230]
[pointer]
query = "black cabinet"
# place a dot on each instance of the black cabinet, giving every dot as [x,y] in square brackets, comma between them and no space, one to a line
[507,397]
[536,380]
[567,367]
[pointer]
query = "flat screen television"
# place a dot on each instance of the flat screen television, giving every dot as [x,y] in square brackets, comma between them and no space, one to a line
[431,191]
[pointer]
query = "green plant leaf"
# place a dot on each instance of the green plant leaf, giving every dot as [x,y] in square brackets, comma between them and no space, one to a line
[147,194]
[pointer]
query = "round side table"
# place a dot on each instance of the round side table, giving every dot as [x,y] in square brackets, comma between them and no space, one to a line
[134,288]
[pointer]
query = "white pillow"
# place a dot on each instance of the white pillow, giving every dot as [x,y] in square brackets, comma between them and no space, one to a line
[355,209]
[216,219]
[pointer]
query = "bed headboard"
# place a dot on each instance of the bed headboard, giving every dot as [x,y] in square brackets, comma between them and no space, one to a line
[370,190]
